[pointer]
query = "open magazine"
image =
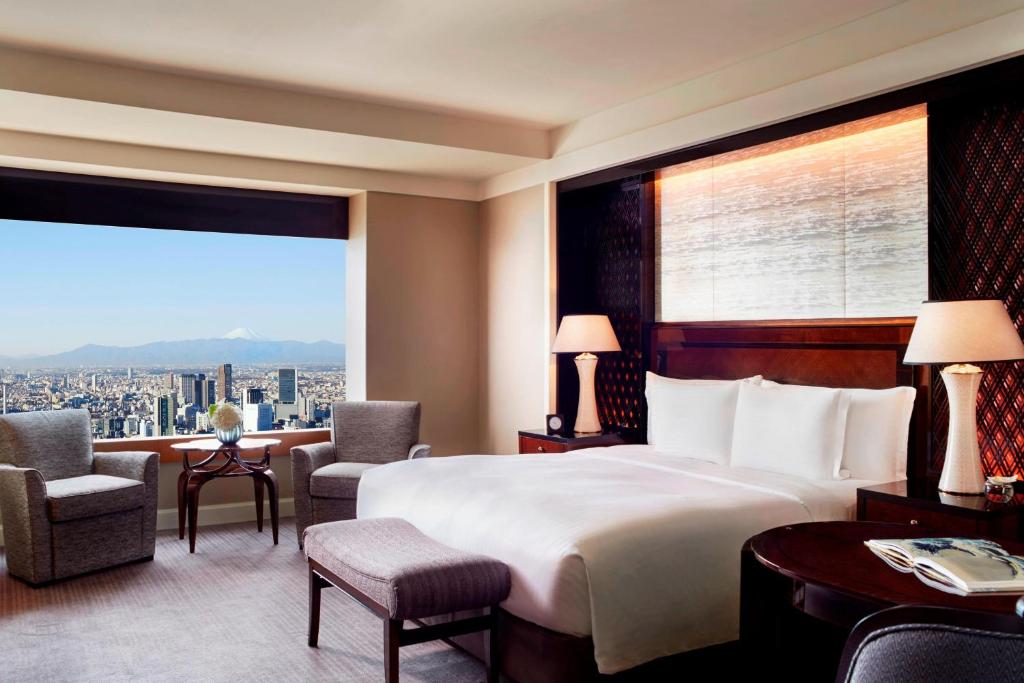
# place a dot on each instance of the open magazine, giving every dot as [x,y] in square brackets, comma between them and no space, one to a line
[956,565]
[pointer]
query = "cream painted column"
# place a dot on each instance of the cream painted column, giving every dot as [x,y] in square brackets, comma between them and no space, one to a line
[422,313]
[355,299]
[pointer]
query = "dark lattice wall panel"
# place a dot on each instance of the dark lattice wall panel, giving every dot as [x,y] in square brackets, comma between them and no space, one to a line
[602,269]
[976,243]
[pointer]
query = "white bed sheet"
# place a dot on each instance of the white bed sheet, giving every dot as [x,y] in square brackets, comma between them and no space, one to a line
[636,548]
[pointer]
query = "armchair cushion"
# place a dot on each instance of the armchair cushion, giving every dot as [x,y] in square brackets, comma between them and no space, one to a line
[339,480]
[57,443]
[92,495]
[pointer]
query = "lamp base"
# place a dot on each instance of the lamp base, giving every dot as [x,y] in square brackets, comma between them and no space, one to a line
[587,421]
[961,471]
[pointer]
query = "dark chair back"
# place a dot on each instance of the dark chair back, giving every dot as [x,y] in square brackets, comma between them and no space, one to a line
[934,644]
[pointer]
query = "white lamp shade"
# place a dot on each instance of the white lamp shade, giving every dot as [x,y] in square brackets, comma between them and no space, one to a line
[585,334]
[950,332]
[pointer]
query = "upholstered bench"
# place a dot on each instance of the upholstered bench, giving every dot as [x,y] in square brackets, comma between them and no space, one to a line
[400,574]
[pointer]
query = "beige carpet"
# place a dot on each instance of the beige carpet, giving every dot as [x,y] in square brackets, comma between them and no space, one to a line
[236,610]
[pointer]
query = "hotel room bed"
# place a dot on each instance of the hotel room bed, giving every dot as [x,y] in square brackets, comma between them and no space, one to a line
[624,555]
[639,550]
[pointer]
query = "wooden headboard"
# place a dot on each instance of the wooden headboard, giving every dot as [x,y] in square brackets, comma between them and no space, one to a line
[866,353]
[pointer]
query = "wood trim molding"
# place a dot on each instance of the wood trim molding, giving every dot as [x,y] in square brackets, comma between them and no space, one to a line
[162,445]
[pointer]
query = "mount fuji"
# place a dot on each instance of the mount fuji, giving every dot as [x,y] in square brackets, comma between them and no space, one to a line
[245,333]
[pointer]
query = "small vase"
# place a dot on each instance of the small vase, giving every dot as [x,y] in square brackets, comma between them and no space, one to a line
[229,437]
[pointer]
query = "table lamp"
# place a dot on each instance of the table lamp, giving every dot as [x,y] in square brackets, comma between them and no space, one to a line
[585,335]
[958,334]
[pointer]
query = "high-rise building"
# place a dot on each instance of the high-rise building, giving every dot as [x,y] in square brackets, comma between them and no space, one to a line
[287,385]
[95,386]
[258,417]
[165,412]
[307,408]
[252,396]
[206,393]
[190,413]
[224,383]
[130,374]
[131,425]
[113,427]
[169,382]
[187,388]
[285,411]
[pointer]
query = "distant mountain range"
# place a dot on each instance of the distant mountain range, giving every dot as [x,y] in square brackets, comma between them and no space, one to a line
[241,346]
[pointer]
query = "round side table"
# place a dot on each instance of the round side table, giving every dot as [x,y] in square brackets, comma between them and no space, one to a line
[224,460]
[804,587]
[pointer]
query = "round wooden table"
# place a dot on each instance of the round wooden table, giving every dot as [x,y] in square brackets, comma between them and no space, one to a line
[805,586]
[231,464]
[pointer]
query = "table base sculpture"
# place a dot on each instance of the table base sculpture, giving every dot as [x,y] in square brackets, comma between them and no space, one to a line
[195,475]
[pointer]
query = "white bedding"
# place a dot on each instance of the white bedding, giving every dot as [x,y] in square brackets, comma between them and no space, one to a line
[638,549]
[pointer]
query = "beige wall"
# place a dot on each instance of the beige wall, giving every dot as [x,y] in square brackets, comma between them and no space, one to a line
[421,311]
[513,311]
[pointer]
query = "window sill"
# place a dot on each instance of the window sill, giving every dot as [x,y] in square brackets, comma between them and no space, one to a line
[162,444]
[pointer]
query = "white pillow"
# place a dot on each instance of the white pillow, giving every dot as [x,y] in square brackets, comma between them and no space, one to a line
[877,431]
[790,429]
[692,417]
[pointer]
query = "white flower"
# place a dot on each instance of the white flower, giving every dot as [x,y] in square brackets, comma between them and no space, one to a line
[226,417]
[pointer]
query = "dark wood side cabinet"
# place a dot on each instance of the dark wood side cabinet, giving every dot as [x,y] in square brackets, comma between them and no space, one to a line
[539,441]
[919,502]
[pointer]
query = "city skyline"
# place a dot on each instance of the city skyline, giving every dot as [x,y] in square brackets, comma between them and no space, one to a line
[130,402]
[127,287]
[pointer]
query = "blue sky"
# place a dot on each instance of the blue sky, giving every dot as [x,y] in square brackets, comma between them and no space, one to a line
[62,286]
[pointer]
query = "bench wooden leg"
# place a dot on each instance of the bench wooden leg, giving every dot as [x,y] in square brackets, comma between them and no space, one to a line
[316,584]
[392,641]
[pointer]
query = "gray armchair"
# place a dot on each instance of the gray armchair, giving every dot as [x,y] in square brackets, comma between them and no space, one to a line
[65,509]
[365,434]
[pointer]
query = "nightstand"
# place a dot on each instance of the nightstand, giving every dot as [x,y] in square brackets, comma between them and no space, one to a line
[919,502]
[539,441]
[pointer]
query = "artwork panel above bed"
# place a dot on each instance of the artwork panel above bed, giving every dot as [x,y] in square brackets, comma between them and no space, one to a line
[827,224]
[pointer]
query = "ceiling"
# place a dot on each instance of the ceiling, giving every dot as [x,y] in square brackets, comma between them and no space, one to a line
[456,98]
[540,63]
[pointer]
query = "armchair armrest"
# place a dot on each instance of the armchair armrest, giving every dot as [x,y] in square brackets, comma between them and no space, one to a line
[420,450]
[26,526]
[311,457]
[306,460]
[127,464]
[141,466]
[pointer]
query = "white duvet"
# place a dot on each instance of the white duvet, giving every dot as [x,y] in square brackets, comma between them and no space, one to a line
[638,549]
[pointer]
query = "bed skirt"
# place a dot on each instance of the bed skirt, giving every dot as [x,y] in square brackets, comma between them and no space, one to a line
[534,654]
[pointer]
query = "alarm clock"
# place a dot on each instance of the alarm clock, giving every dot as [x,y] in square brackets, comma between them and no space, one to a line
[555,424]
